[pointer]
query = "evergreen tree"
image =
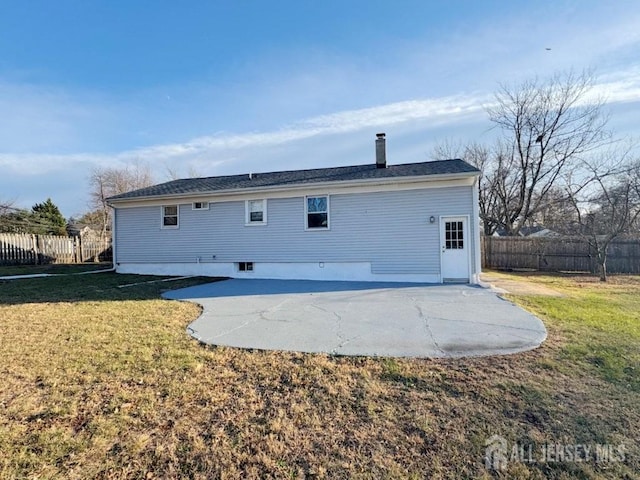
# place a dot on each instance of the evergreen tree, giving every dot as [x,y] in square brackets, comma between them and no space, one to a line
[48,216]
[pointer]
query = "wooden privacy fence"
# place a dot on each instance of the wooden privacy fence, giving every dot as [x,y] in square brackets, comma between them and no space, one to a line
[24,249]
[558,254]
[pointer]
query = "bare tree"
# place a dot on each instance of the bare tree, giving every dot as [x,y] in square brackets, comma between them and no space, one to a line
[109,181]
[6,206]
[193,172]
[12,219]
[483,158]
[173,173]
[547,127]
[556,208]
[606,204]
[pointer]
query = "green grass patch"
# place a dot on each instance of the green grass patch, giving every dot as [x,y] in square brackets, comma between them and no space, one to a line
[602,325]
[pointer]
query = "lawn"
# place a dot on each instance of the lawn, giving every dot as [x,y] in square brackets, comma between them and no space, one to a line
[52,268]
[102,382]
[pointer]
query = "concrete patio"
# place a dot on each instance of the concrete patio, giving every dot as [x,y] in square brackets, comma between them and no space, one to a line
[361,318]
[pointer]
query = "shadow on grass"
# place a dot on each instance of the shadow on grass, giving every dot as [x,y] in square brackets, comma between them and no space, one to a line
[52,268]
[113,286]
[95,287]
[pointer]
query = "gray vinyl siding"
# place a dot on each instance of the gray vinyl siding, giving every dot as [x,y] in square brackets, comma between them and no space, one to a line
[389,229]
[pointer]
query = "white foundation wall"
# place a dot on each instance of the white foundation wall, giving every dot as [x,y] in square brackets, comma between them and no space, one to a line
[352,271]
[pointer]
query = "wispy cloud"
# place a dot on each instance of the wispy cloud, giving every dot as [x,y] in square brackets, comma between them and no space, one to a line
[623,87]
[620,87]
[438,110]
[435,111]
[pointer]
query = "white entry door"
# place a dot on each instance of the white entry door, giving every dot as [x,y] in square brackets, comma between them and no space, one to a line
[454,249]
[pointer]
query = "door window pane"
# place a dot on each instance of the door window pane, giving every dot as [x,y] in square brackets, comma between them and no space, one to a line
[454,235]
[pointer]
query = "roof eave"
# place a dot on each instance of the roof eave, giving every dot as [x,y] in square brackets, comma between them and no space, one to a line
[301,186]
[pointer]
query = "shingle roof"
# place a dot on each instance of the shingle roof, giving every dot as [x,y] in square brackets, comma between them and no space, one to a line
[298,177]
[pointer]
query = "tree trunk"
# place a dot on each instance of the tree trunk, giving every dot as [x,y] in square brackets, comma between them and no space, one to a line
[489,229]
[602,260]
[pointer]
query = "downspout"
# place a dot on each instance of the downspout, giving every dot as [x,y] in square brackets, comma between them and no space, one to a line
[113,237]
[475,219]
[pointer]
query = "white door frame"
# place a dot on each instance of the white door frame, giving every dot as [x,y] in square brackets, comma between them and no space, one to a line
[468,241]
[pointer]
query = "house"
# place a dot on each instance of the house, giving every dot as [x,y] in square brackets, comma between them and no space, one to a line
[538,231]
[535,231]
[414,222]
[76,229]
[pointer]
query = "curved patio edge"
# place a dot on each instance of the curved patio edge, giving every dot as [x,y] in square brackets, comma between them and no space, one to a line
[360,318]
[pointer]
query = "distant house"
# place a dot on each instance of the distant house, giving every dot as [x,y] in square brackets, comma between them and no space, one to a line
[75,229]
[534,231]
[539,232]
[413,222]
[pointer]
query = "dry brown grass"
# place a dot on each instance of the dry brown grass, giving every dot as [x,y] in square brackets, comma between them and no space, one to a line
[100,382]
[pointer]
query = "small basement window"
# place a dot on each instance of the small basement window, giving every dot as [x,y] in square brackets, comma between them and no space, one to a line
[170,216]
[317,212]
[200,206]
[255,212]
[245,266]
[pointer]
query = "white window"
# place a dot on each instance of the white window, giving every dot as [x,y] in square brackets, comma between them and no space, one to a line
[255,212]
[200,206]
[317,212]
[170,216]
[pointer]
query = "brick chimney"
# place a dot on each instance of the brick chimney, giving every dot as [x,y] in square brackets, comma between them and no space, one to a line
[381,151]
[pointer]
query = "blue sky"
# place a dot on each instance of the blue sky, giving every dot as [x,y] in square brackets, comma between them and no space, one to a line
[232,87]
